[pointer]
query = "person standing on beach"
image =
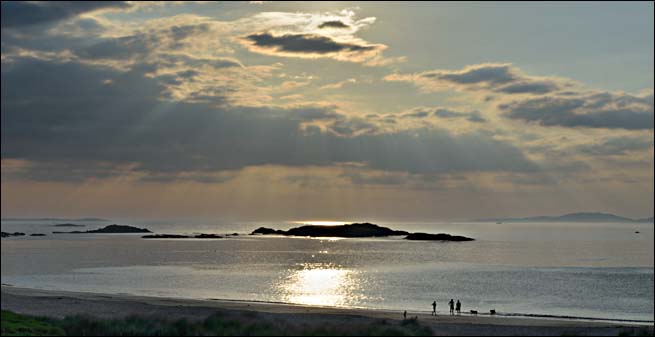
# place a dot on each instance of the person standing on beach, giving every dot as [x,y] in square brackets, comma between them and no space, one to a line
[434,308]
[458,307]
[451,304]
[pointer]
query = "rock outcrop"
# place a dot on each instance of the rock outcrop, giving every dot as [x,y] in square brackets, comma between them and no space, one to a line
[6,235]
[355,230]
[436,237]
[180,236]
[111,229]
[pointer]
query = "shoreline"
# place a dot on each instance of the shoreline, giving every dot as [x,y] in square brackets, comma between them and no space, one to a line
[58,304]
[509,315]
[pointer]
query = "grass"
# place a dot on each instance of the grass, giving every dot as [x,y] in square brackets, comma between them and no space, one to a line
[22,325]
[636,332]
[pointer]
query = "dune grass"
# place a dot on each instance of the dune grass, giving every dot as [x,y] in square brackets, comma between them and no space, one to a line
[21,325]
[215,325]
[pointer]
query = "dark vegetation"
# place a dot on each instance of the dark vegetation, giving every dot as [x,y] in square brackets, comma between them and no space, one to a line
[215,325]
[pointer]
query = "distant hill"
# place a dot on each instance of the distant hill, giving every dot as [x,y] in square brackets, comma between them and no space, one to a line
[572,217]
[111,229]
[54,219]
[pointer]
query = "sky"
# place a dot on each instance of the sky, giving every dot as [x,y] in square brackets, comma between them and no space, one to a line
[395,111]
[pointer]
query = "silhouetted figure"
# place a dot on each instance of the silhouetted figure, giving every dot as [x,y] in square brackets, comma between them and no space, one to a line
[451,304]
[434,308]
[405,314]
[458,307]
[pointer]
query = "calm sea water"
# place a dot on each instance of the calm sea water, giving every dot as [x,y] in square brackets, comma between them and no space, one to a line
[563,269]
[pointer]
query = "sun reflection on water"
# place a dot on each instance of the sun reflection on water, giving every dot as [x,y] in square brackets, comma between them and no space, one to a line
[322,285]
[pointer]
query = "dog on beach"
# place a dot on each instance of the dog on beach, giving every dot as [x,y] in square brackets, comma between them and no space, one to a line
[474,312]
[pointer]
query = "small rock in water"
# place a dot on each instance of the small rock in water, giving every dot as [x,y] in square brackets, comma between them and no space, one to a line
[6,235]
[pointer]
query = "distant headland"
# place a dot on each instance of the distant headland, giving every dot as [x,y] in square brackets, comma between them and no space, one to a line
[111,229]
[57,219]
[571,217]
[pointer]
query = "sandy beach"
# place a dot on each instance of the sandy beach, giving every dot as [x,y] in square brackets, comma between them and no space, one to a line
[59,304]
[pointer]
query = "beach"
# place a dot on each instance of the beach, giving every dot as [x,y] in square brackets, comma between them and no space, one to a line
[58,304]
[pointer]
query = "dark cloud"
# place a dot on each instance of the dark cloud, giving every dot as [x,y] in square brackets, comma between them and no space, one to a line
[528,87]
[501,78]
[617,146]
[416,114]
[610,111]
[476,117]
[142,44]
[333,24]
[447,113]
[26,13]
[351,126]
[493,74]
[305,43]
[67,114]
[473,116]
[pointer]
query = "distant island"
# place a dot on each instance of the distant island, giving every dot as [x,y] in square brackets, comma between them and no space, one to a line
[54,219]
[68,225]
[436,237]
[111,229]
[356,230]
[572,217]
[181,236]
[6,235]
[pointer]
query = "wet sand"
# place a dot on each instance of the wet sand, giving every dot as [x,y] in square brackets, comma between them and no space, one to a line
[62,303]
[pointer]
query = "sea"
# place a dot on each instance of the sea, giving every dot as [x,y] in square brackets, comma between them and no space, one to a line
[598,271]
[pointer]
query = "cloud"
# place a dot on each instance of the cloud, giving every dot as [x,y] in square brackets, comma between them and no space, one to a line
[416,114]
[340,84]
[48,108]
[180,52]
[311,35]
[202,178]
[444,113]
[311,46]
[490,77]
[547,101]
[596,110]
[333,24]
[615,146]
[26,13]
[360,178]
